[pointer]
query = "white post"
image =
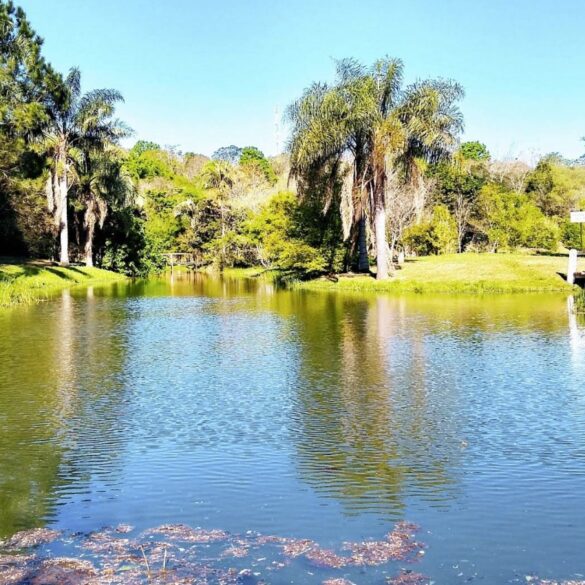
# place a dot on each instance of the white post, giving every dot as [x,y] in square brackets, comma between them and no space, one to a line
[572,266]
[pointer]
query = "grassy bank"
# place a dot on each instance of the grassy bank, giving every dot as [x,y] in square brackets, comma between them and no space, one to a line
[36,281]
[252,272]
[455,273]
[580,303]
[463,273]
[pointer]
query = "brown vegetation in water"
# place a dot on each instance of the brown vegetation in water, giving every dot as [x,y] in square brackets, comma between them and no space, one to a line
[29,538]
[408,578]
[187,534]
[176,554]
[398,546]
[327,558]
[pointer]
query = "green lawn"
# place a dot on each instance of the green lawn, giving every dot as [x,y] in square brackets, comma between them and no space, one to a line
[468,273]
[35,281]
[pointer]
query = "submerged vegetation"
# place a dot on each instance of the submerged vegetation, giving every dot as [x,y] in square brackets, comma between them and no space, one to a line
[178,554]
[374,173]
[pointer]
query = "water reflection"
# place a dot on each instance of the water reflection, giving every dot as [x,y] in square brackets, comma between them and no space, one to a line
[577,337]
[363,437]
[58,406]
[231,404]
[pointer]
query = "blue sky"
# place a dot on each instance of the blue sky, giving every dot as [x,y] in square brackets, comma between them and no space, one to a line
[201,75]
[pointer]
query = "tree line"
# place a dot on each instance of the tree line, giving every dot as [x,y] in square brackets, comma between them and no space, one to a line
[374,170]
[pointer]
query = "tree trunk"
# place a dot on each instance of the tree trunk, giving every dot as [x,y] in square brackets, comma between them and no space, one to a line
[89,221]
[381,242]
[63,227]
[89,243]
[88,255]
[222,254]
[363,264]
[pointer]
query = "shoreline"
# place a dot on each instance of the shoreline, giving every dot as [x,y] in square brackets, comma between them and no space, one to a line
[36,281]
[468,273]
[33,281]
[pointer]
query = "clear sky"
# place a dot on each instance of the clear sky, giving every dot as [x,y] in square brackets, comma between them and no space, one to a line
[201,75]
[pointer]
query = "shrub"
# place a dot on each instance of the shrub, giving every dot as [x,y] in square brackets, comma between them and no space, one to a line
[438,235]
[510,220]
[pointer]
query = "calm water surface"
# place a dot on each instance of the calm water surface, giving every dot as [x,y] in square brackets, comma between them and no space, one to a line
[228,404]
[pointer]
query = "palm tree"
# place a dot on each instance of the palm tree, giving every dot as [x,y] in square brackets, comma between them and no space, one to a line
[329,149]
[76,122]
[101,182]
[366,133]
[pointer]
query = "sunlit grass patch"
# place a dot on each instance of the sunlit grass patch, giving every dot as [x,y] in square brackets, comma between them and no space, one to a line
[32,282]
[462,273]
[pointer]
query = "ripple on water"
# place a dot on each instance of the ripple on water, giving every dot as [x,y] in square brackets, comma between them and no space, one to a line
[321,417]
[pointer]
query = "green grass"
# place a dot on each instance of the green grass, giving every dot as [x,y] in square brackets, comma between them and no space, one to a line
[36,281]
[579,305]
[252,272]
[452,273]
[462,273]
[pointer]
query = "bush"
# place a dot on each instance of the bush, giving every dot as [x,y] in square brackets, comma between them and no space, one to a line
[283,232]
[438,235]
[125,247]
[571,235]
[510,220]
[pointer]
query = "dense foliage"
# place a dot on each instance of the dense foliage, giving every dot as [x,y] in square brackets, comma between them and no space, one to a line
[375,171]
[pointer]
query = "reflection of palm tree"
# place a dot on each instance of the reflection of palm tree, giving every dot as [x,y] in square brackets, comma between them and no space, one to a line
[64,366]
[353,440]
[30,453]
[98,357]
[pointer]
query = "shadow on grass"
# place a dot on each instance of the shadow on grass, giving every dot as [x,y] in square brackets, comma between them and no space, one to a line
[28,270]
[25,270]
[262,272]
[77,270]
[558,254]
[579,280]
[65,272]
[57,272]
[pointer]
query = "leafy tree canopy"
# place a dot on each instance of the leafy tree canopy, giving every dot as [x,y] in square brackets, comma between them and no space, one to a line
[230,154]
[253,157]
[143,146]
[474,150]
[510,220]
[149,163]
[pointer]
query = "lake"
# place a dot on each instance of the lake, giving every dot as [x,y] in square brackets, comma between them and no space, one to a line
[229,404]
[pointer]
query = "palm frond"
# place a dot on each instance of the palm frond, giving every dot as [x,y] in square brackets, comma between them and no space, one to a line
[73,83]
[388,73]
[348,70]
